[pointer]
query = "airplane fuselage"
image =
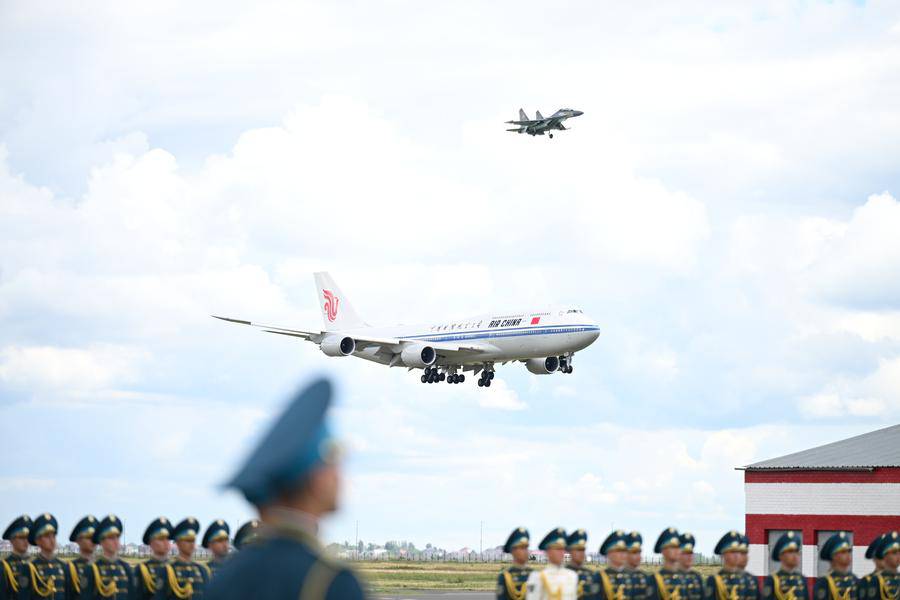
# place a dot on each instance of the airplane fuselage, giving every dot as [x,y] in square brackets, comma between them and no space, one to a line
[504,337]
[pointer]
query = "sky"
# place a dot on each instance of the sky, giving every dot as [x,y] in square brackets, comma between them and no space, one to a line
[726,209]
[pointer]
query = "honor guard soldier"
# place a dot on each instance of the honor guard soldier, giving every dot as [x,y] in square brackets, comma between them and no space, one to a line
[879,564]
[150,573]
[110,577]
[732,582]
[576,544]
[79,567]
[788,583]
[614,582]
[511,580]
[668,582]
[15,580]
[293,478]
[555,581]
[185,578]
[885,584]
[247,534]
[693,580]
[216,541]
[839,583]
[48,573]
[639,580]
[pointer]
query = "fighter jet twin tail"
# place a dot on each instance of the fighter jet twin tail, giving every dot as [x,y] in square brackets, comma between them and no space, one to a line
[540,125]
[544,340]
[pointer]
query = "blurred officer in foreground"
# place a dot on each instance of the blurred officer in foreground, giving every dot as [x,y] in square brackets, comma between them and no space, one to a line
[151,572]
[840,583]
[640,582]
[48,573]
[879,564]
[576,544]
[788,583]
[693,580]
[247,534]
[614,582]
[555,581]
[216,541]
[511,580]
[293,478]
[79,567]
[110,577]
[885,584]
[668,582]
[15,578]
[732,582]
[185,577]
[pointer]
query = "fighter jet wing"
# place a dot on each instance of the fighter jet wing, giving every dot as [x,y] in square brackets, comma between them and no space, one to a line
[522,122]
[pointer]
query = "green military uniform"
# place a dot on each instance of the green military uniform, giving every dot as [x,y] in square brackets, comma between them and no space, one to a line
[668,582]
[217,531]
[693,580]
[184,578]
[885,584]
[110,577]
[730,584]
[150,573]
[78,569]
[588,586]
[837,585]
[616,583]
[784,584]
[640,581]
[867,581]
[512,579]
[48,574]
[15,575]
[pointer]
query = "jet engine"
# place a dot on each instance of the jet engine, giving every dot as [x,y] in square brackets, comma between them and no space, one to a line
[335,345]
[417,355]
[542,366]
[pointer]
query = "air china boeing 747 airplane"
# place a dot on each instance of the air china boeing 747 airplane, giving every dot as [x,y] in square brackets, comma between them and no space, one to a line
[545,340]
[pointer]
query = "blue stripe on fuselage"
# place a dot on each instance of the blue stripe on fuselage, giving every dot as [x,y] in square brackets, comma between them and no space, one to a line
[501,332]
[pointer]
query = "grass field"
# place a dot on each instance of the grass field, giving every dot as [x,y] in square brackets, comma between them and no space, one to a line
[398,576]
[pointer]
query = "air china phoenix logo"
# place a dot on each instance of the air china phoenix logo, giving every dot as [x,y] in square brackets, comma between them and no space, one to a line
[331,305]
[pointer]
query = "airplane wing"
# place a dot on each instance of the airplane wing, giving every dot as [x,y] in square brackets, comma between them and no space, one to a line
[393,345]
[522,122]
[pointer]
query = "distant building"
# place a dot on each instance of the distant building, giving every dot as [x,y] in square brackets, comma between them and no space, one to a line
[852,485]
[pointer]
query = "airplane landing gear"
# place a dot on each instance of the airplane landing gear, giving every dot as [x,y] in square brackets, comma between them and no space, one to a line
[551,136]
[565,364]
[432,375]
[486,376]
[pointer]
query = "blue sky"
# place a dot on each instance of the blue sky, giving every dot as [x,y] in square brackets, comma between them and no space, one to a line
[726,209]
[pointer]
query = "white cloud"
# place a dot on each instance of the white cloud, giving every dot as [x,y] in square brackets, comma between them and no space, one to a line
[69,369]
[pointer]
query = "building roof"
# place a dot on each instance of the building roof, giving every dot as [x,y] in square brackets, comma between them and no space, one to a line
[879,448]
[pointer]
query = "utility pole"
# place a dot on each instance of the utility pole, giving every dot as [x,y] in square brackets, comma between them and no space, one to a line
[481,540]
[356,548]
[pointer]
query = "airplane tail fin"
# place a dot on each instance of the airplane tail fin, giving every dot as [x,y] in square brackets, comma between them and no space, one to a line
[538,115]
[522,115]
[337,312]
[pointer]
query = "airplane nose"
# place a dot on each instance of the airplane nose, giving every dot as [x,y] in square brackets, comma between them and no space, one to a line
[578,113]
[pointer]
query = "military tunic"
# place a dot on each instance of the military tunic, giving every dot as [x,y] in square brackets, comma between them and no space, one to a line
[48,578]
[552,583]
[215,564]
[837,586]
[616,584]
[183,579]
[883,585]
[148,577]
[78,570]
[732,585]
[109,579]
[693,584]
[588,587]
[15,580]
[511,582]
[286,562]
[640,584]
[785,585]
[667,584]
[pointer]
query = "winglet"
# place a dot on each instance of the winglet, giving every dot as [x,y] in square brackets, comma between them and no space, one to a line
[242,322]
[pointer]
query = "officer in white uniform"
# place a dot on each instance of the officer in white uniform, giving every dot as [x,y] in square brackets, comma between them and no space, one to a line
[555,581]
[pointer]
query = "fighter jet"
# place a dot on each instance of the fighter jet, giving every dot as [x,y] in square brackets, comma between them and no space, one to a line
[539,125]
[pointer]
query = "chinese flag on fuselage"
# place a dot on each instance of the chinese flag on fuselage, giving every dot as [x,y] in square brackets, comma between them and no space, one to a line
[535,320]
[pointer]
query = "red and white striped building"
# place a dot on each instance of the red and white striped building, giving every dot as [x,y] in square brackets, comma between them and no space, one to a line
[851,485]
